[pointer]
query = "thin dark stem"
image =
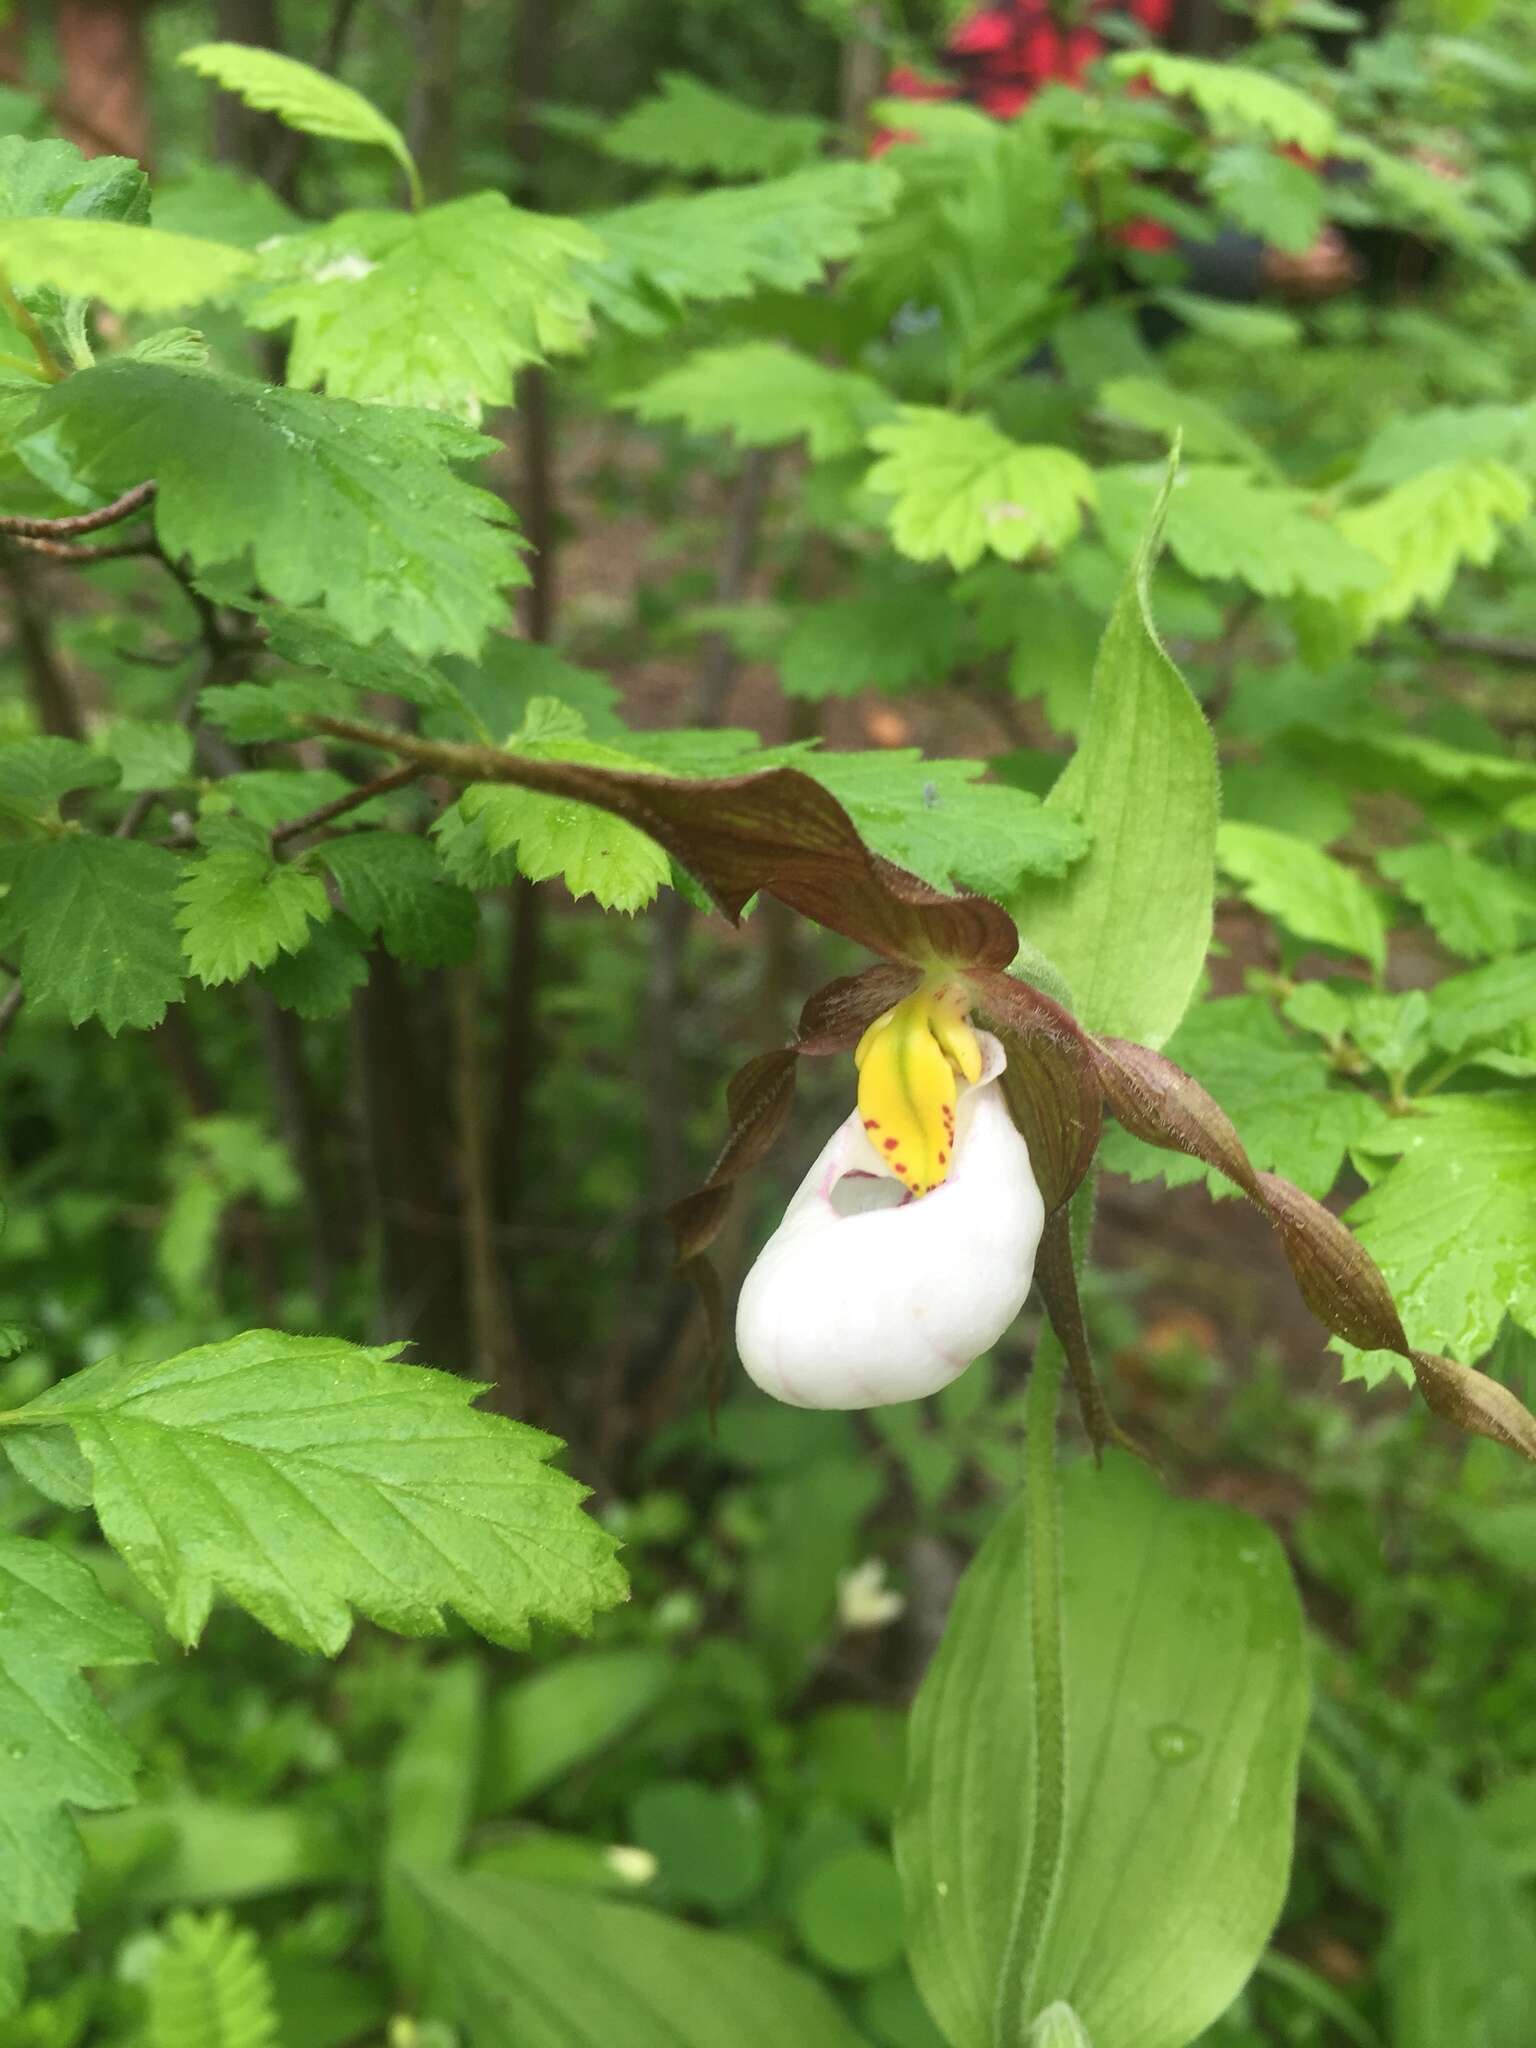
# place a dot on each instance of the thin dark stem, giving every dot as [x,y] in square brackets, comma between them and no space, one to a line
[81,522]
[52,694]
[493,1351]
[322,814]
[282,168]
[293,1099]
[10,1004]
[743,529]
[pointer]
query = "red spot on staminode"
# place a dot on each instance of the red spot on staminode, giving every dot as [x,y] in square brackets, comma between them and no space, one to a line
[943,1156]
[898,1166]
[891,1144]
[871,1123]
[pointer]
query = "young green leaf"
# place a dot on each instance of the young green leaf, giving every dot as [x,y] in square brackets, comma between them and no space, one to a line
[319,980]
[394,886]
[1307,890]
[1422,531]
[764,393]
[1232,96]
[93,924]
[1130,924]
[664,253]
[306,1477]
[152,753]
[58,1747]
[1202,427]
[1476,909]
[137,269]
[209,1987]
[960,488]
[514,1955]
[36,772]
[1471,1009]
[1185,1701]
[689,126]
[239,908]
[888,636]
[300,97]
[354,505]
[435,309]
[562,1714]
[1450,1224]
[1282,202]
[53,178]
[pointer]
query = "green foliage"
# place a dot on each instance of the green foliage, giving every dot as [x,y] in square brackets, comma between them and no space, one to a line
[1180,1802]
[138,269]
[1450,1224]
[763,394]
[57,1747]
[93,925]
[437,308]
[1305,889]
[301,97]
[305,1477]
[394,887]
[961,489]
[688,126]
[209,1987]
[508,1952]
[1423,530]
[1130,924]
[354,505]
[1231,95]
[664,253]
[239,908]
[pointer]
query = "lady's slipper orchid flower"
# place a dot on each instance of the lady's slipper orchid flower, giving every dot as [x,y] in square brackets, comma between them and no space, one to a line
[901,1257]
[783,834]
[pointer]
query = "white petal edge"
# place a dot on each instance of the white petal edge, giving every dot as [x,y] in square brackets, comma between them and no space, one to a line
[860,1310]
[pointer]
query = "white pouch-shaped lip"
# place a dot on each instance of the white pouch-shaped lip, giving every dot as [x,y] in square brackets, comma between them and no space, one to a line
[865,1295]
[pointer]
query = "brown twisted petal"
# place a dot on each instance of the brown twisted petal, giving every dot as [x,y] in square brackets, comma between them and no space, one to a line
[1049,1083]
[758,1102]
[778,832]
[1339,1280]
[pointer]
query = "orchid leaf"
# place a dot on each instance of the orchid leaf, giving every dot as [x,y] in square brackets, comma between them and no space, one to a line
[1129,924]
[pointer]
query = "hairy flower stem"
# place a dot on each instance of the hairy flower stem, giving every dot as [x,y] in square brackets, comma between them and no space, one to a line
[1048,1810]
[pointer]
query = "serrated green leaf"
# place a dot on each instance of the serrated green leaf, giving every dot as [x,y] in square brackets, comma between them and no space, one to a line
[1405,448]
[318,981]
[1424,530]
[53,178]
[138,269]
[763,393]
[36,772]
[1130,925]
[939,820]
[1476,909]
[889,636]
[311,640]
[57,1746]
[94,924]
[305,1477]
[1450,1224]
[1230,95]
[1223,523]
[393,885]
[1201,427]
[208,1987]
[961,488]
[270,796]
[1307,890]
[1281,201]
[513,1959]
[1290,1115]
[354,505]
[239,908]
[300,97]
[151,753]
[665,253]
[1470,1009]
[277,710]
[180,345]
[689,126]
[437,308]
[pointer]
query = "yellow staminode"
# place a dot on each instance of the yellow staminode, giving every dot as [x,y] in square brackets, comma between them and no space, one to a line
[908,1061]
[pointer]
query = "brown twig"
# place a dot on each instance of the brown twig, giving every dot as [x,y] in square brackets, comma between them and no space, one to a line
[63,551]
[322,814]
[80,522]
[10,1004]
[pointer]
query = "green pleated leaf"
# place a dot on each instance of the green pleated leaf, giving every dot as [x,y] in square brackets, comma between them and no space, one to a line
[1186,1699]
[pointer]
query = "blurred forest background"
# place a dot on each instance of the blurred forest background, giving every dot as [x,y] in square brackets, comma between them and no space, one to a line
[478,1156]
